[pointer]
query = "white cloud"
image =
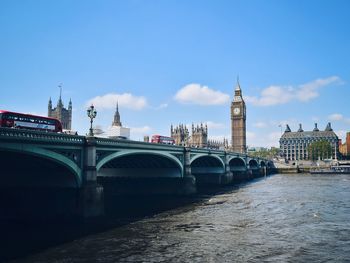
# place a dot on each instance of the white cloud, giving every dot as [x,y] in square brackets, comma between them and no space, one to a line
[126,100]
[201,95]
[335,117]
[260,124]
[338,117]
[275,95]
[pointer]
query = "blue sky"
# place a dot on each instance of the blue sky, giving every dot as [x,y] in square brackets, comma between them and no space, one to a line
[171,62]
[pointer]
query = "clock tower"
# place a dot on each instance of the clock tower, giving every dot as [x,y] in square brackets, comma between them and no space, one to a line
[238,121]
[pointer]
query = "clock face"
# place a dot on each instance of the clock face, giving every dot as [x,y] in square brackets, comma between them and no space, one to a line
[236,111]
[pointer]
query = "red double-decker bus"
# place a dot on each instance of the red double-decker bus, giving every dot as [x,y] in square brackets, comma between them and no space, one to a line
[27,121]
[162,139]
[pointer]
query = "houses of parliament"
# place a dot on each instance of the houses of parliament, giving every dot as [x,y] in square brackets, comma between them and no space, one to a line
[61,113]
[199,133]
[181,134]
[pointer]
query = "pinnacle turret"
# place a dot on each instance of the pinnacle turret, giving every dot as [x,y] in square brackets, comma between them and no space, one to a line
[116,121]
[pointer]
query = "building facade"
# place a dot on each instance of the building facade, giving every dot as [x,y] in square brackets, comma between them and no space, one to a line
[198,137]
[294,145]
[180,134]
[344,148]
[61,113]
[238,122]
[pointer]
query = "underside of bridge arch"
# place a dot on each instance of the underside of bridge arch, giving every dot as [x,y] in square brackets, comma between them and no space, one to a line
[140,174]
[139,166]
[34,186]
[26,170]
[237,165]
[253,164]
[207,170]
[262,164]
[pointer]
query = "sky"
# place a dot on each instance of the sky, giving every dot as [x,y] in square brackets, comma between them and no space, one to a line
[177,62]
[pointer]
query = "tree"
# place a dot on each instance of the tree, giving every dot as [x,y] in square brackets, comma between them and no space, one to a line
[320,150]
[266,153]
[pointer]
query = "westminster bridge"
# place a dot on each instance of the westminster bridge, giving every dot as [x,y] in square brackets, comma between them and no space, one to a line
[84,168]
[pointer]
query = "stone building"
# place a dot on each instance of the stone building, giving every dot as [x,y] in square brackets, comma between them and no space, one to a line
[218,145]
[198,137]
[61,113]
[344,148]
[180,134]
[238,122]
[294,145]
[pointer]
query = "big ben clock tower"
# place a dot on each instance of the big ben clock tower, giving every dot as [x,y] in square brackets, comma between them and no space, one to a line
[238,121]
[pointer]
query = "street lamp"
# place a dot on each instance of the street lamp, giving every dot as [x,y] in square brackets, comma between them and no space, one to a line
[91,112]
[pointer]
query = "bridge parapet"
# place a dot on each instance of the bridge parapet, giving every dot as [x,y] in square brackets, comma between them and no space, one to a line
[40,136]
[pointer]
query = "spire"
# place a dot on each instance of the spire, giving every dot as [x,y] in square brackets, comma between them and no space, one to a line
[287,128]
[238,87]
[49,108]
[70,104]
[329,127]
[60,103]
[116,121]
[316,129]
[300,128]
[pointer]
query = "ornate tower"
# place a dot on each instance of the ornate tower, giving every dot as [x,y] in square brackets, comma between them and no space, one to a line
[238,121]
[60,112]
[116,120]
[180,134]
[117,131]
[70,109]
[199,136]
[49,107]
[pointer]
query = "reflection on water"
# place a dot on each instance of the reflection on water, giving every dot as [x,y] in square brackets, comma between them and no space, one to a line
[284,218]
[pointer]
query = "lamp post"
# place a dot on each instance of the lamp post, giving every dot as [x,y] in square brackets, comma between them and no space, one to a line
[91,112]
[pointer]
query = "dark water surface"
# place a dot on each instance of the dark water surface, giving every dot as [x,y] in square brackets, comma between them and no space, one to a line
[283,218]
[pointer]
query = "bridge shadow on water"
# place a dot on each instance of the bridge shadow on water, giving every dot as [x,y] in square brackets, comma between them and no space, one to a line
[24,236]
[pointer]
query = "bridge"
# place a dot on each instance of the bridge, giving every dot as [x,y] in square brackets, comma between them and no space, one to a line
[70,167]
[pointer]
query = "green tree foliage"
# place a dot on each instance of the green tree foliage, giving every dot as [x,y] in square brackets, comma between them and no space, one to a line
[266,153]
[320,150]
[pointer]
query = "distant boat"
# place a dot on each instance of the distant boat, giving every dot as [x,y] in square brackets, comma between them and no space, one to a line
[343,169]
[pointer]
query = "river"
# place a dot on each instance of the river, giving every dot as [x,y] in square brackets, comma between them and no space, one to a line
[283,218]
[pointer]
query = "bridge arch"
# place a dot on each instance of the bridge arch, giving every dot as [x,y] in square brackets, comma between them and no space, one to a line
[47,168]
[211,160]
[237,164]
[262,164]
[253,164]
[208,169]
[139,164]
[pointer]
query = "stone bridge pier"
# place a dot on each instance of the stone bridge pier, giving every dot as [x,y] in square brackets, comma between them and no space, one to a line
[91,198]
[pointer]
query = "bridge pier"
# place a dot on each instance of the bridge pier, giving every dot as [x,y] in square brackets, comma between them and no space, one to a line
[227,178]
[91,199]
[189,181]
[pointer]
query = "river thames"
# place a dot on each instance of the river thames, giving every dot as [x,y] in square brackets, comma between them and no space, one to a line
[283,218]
